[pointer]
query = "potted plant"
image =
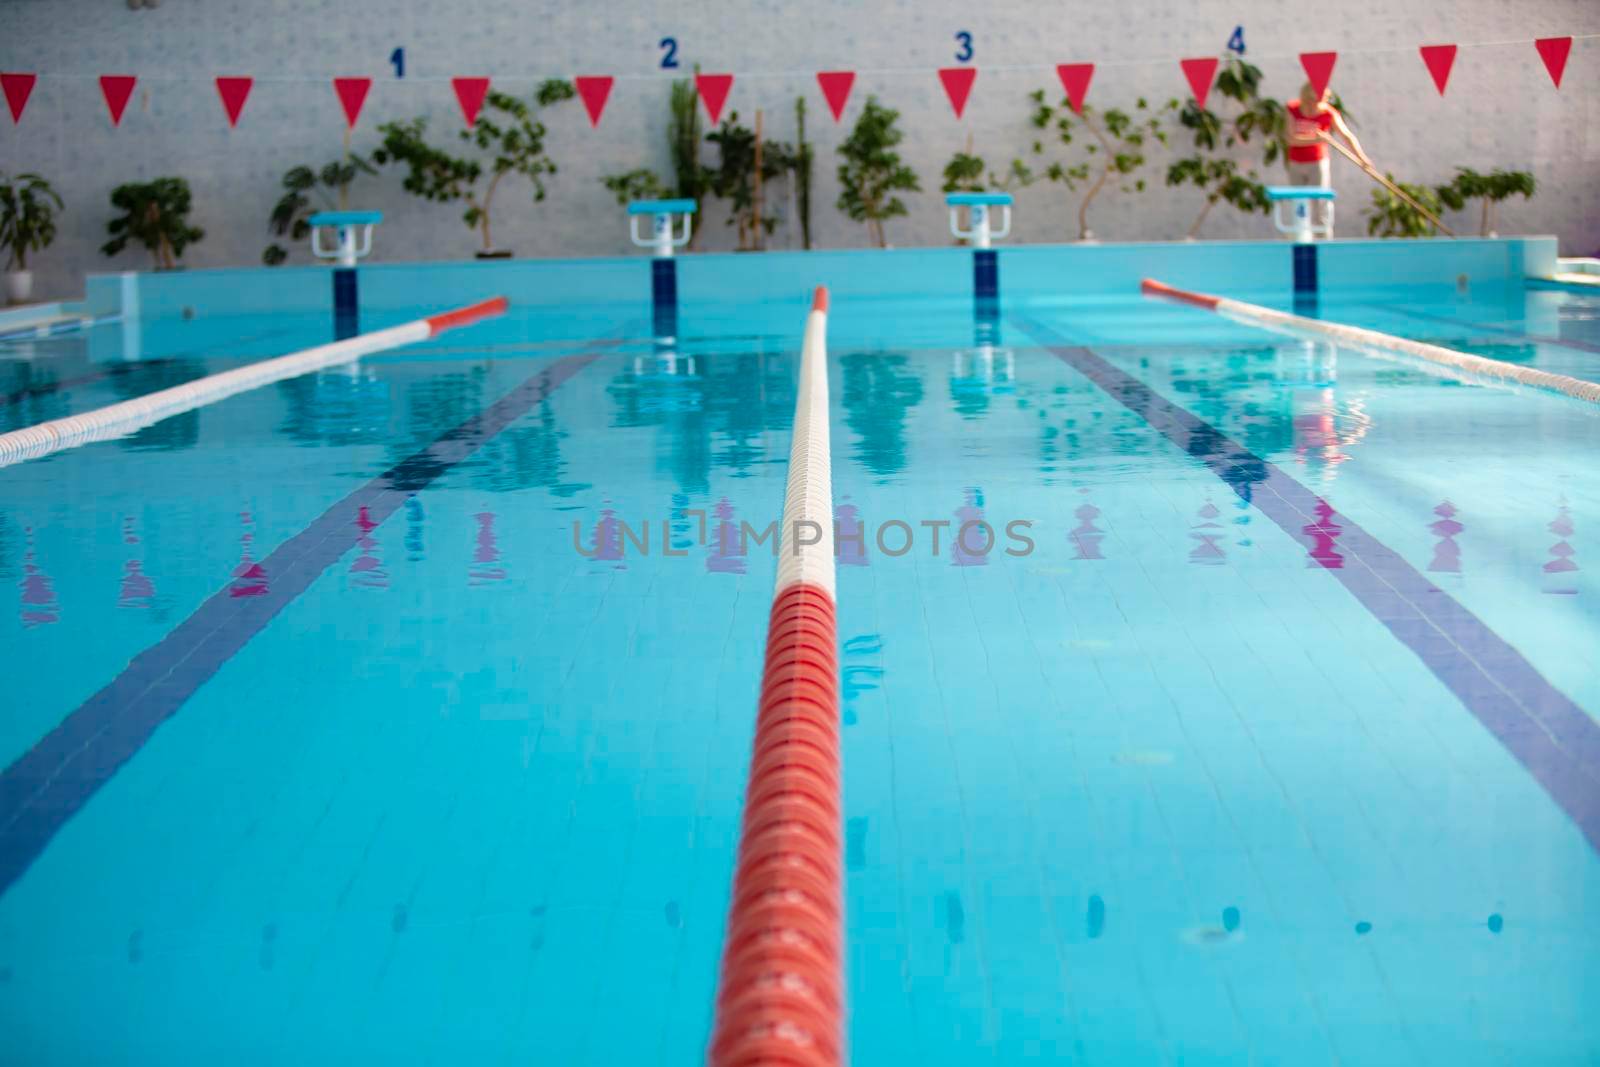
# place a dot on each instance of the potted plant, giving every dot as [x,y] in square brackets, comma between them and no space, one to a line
[1116,153]
[156,214]
[291,215]
[1392,216]
[744,161]
[1491,188]
[872,172]
[507,128]
[28,209]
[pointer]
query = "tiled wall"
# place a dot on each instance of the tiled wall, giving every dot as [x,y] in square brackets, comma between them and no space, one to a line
[1501,108]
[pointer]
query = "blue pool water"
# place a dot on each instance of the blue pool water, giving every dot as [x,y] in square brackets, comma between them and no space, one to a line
[426,761]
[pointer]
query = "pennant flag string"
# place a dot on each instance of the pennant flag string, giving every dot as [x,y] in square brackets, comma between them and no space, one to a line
[117,88]
[836,85]
[957,83]
[352,94]
[1439,58]
[234,91]
[713,90]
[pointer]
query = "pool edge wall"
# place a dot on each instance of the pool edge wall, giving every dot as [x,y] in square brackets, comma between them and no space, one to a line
[1240,268]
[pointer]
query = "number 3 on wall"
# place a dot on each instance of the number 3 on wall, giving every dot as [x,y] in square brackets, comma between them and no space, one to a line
[964,54]
[1236,42]
[669,46]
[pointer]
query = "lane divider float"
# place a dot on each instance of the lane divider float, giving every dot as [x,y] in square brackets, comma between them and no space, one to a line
[781,998]
[118,420]
[1356,336]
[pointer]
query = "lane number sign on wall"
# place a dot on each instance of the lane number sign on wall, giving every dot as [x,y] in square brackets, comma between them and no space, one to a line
[1236,42]
[964,53]
[398,58]
[669,53]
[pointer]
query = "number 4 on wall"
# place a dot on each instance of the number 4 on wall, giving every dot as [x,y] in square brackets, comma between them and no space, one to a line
[1236,42]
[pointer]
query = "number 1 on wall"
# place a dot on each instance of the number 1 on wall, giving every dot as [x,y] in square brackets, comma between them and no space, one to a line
[398,58]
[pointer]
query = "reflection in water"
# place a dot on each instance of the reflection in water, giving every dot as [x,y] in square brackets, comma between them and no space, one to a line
[249,577]
[366,570]
[879,390]
[137,590]
[726,555]
[738,396]
[1324,534]
[967,546]
[1086,536]
[175,432]
[984,369]
[39,604]
[525,455]
[1561,553]
[850,536]
[1446,554]
[341,406]
[485,568]
[1207,533]
[415,517]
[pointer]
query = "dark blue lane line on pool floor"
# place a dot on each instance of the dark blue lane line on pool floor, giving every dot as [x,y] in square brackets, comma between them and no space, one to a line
[47,785]
[1550,735]
[1504,331]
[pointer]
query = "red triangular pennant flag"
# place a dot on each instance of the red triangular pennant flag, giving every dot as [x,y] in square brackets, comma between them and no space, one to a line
[352,95]
[836,86]
[594,89]
[18,87]
[1200,73]
[1439,58]
[234,92]
[1553,50]
[1319,69]
[469,94]
[116,88]
[1075,80]
[958,85]
[713,90]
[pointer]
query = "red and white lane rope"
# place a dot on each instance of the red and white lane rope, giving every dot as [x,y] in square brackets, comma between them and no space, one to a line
[1358,337]
[118,420]
[781,998]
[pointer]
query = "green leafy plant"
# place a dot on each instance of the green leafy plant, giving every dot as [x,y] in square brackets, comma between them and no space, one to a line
[1490,188]
[156,214]
[692,178]
[1115,153]
[291,215]
[804,158]
[28,207]
[965,174]
[872,172]
[740,159]
[1220,165]
[508,130]
[640,184]
[1391,216]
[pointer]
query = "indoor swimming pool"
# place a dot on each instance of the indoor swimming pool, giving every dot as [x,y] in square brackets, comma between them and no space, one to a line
[1208,695]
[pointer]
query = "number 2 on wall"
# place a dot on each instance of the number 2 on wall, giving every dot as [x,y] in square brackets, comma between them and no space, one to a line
[669,46]
[1236,42]
[398,58]
[965,53]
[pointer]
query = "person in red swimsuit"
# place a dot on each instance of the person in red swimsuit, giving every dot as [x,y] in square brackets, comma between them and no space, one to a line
[1308,155]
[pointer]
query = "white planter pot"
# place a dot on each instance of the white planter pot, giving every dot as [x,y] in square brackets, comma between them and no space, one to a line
[19,286]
